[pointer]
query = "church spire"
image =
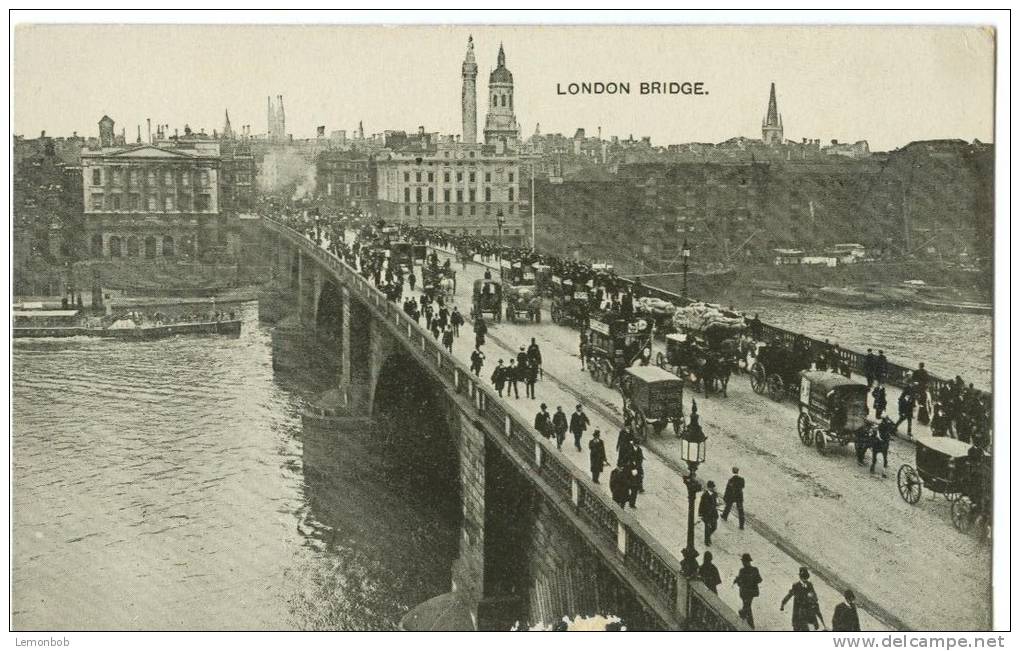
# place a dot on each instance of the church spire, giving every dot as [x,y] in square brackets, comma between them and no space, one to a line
[772,118]
[501,57]
[772,125]
[228,132]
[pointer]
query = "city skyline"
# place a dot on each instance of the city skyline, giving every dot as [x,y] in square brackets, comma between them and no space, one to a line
[388,83]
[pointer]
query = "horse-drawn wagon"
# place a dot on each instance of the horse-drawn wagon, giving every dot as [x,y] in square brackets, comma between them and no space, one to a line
[652,399]
[614,343]
[833,410]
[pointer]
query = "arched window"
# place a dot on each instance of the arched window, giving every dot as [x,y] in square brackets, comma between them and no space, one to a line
[502,100]
[115,251]
[132,247]
[150,247]
[97,245]
[511,101]
[495,100]
[168,246]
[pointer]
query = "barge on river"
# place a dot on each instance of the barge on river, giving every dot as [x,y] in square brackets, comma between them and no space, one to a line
[70,323]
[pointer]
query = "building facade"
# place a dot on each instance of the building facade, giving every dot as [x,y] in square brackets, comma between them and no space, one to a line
[345,179]
[151,200]
[458,188]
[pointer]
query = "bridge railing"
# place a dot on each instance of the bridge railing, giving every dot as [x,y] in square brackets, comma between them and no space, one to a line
[896,375]
[651,565]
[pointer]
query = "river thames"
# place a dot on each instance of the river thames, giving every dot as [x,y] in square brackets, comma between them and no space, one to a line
[169,485]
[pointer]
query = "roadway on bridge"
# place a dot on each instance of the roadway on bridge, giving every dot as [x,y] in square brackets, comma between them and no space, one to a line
[911,566]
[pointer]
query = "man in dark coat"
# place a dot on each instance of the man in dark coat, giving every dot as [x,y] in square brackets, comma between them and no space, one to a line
[499,377]
[512,375]
[708,509]
[905,405]
[477,359]
[522,358]
[542,422]
[559,425]
[805,602]
[709,573]
[535,357]
[530,373]
[480,331]
[618,486]
[456,320]
[597,455]
[637,459]
[870,362]
[844,617]
[881,367]
[448,339]
[747,581]
[734,496]
[878,400]
[578,424]
[633,485]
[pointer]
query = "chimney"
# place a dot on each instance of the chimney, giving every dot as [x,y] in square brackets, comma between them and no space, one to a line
[43,134]
[835,142]
[148,128]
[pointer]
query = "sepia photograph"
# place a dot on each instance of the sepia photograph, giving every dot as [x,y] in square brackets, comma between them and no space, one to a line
[505,325]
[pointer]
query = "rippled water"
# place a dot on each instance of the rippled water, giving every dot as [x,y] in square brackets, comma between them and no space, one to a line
[171,485]
[949,344]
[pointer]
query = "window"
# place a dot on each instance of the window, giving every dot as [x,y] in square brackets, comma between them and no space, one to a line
[471,210]
[133,201]
[510,210]
[168,177]
[116,201]
[511,177]
[517,231]
[152,177]
[446,209]
[446,195]
[460,210]
[97,200]
[488,177]
[471,177]
[446,177]
[432,210]
[407,210]
[152,202]
[460,177]
[407,177]
[185,178]
[407,195]
[184,202]
[510,194]
[495,100]
[169,201]
[431,176]
[135,177]
[460,196]
[97,177]
[117,177]
[432,195]
[488,209]
[417,177]
[203,203]
[417,195]
[488,194]
[502,100]
[471,195]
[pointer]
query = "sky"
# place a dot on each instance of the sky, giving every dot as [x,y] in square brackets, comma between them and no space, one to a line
[886,85]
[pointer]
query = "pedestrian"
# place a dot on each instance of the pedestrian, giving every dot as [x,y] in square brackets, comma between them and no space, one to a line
[542,421]
[535,357]
[844,617]
[499,378]
[435,327]
[411,280]
[637,459]
[878,400]
[870,362]
[633,485]
[530,372]
[805,602]
[618,486]
[905,405]
[708,509]
[734,496]
[881,367]
[513,374]
[477,359]
[480,331]
[448,339]
[880,445]
[747,581]
[578,424]
[583,349]
[559,423]
[623,446]
[709,573]
[597,455]
[456,320]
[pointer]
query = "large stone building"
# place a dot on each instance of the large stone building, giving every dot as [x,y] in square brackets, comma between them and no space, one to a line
[345,179]
[151,199]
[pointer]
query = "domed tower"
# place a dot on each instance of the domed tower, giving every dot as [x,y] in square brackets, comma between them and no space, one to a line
[500,123]
[469,96]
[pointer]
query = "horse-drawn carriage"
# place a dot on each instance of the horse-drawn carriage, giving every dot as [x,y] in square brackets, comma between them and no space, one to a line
[705,349]
[487,298]
[438,281]
[959,472]
[523,303]
[776,370]
[570,304]
[543,278]
[614,344]
[401,255]
[652,399]
[833,410]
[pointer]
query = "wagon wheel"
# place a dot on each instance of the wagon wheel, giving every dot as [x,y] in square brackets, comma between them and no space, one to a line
[909,483]
[758,378]
[660,360]
[962,513]
[804,428]
[776,388]
[820,441]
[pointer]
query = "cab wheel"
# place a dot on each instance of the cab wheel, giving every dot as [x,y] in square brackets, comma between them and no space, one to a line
[758,379]
[909,484]
[804,428]
[962,513]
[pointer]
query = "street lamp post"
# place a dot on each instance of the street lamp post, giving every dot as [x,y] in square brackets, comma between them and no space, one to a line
[499,244]
[692,450]
[685,253]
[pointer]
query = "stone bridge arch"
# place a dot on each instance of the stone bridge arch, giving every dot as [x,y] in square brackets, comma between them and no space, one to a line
[329,307]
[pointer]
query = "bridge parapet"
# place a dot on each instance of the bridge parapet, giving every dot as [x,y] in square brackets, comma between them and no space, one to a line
[648,567]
